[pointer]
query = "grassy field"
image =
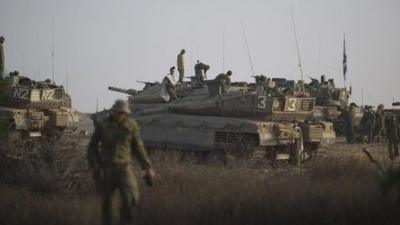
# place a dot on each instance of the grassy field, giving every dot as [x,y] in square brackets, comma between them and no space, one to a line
[331,190]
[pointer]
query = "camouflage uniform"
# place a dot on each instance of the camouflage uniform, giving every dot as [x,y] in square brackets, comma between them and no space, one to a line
[379,123]
[392,127]
[224,77]
[200,70]
[169,81]
[367,125]
[180,65]
[120,141]
[349,126]
[1,57]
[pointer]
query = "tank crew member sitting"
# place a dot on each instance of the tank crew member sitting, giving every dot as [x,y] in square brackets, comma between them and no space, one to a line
[168,91]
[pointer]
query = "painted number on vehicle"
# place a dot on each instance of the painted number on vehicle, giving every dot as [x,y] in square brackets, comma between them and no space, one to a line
[21,93]
[262,101]
[291,104]
[47,95]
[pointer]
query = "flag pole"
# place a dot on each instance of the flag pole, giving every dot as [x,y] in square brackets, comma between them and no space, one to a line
[344,60]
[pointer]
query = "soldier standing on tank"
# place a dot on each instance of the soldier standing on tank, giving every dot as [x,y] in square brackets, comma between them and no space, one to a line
[115,141]
[1,57]
[379,123]
[392,128]
[200,70]
[180,65]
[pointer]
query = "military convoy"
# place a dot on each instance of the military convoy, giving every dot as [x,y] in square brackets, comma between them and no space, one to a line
[34,109]
[244,120]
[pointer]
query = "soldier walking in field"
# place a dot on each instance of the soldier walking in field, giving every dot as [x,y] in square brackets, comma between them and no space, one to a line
[180,65]
[1,57]
[115,141]
[392,128]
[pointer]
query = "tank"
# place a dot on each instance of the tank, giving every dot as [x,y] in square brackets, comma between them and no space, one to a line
[34,108]
[244,120]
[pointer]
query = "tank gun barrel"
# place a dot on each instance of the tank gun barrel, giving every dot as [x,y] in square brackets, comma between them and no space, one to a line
[131,92]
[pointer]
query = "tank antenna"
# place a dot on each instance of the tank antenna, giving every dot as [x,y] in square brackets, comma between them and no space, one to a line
[97,105]
[247,48]
[223,48]
[297,46]
[67,72]
[191,54]
[52,47]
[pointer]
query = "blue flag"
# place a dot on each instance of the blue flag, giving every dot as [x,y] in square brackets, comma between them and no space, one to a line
[344,60]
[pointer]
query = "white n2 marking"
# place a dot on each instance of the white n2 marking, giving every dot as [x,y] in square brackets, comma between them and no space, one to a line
[48,95]
[21,93]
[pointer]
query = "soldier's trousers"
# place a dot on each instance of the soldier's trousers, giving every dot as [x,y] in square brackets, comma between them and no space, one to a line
[393,147]
[119,177]
[181,75]
[172,93]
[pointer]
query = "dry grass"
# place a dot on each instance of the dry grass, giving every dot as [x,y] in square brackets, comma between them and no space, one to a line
[325,191]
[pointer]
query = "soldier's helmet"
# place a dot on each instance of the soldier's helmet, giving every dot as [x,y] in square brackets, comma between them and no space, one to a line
[2,39]
[380,106]
[121,106]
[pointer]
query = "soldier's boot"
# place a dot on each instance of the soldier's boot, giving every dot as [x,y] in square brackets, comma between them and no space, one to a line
[390,149]
[106,211]
[126,208]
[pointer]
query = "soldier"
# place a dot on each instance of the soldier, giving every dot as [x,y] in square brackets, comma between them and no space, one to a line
[200,70]
[111,165]
[350,127]
[1,57]
[392,128]
[379,123]
[168,91]
[180,65]
[225,77]
[367,124]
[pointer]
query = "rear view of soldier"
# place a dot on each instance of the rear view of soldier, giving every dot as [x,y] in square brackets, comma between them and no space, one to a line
[200,70]
[379,123]
[392,128]
[115,141]
[181,65]
[1,57]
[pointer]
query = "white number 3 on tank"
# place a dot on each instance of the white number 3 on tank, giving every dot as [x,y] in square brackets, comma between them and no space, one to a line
[291,104]
[262,101]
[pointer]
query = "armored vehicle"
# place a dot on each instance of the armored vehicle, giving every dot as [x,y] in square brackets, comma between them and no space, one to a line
[332,103]
[34,109]
[244,120]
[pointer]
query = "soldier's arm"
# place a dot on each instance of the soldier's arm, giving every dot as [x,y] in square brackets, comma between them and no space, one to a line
[138,149]
[93,154]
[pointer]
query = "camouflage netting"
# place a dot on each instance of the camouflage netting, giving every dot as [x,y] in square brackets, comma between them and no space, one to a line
[46,166]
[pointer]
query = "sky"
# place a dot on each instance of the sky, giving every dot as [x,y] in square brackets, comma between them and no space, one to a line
[101,43]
